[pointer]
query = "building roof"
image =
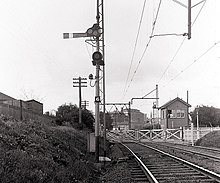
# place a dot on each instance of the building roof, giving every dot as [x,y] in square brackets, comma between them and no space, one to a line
[6,97]
[172,101]
[34,101]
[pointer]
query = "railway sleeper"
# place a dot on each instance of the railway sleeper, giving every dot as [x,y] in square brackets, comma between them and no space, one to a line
[183,178]
[189,181]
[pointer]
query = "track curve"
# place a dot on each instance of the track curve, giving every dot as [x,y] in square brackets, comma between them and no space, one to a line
[168,168]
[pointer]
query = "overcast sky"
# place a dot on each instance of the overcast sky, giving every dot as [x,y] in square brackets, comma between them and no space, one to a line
[37,62]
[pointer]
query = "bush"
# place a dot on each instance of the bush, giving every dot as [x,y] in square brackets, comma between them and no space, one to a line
[70,113]
[34,152]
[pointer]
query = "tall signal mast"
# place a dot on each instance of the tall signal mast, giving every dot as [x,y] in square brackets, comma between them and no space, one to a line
[100,80]
[96,39]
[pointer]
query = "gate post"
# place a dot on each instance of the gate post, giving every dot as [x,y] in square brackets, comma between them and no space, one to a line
[165,133]
[181,133]
[192,134]
[137,134]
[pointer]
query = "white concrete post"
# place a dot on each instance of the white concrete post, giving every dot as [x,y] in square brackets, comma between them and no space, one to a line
[192,134]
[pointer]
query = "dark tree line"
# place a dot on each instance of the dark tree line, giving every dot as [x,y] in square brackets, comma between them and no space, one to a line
[108,120]
[208,116]
[70,113]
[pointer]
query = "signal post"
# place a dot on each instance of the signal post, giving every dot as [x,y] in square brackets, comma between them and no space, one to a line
[96,34]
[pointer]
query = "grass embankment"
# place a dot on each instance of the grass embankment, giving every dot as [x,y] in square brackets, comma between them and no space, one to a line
[210,140]
[31,151]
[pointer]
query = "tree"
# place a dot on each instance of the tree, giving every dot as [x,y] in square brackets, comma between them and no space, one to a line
[208,116]
[108,119]
[88,119]
[30,94]
[70,113]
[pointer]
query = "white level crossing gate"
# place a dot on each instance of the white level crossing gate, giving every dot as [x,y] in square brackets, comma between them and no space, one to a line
[141,135]
[186,134]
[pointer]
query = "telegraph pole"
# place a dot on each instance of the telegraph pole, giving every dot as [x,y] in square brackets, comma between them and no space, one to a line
[80,82]
[85,103]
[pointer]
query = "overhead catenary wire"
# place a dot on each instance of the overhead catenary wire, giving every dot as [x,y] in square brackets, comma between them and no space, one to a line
[180,46]
[172,60]
[135,45]
[146,47]
[188,66]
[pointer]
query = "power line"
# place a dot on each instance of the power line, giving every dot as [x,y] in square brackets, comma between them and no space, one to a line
[147,45]
[187,67]
[172,59]
[135,45]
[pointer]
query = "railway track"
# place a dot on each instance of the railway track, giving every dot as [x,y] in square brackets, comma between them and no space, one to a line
[149,164]
[211,153]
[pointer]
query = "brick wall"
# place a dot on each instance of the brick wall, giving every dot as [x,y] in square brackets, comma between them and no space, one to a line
[22,113]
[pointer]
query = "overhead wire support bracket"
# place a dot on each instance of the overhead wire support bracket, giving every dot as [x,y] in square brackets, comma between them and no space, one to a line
[171,34]
[144,98]
[189,7]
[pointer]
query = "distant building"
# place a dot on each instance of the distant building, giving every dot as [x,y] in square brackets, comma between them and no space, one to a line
[120,120]
[35,106]
[4,97]
[20,109]
[174,114]
[137,119]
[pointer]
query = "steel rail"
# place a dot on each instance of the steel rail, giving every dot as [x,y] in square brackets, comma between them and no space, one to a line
[201,169]
[216,158]
[213,149]
[149,175]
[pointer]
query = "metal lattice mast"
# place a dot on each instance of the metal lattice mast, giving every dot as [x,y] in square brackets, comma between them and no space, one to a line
[96,39]
[100,79]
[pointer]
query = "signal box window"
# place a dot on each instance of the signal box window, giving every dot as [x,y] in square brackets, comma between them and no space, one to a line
[180,114]
[177,114]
